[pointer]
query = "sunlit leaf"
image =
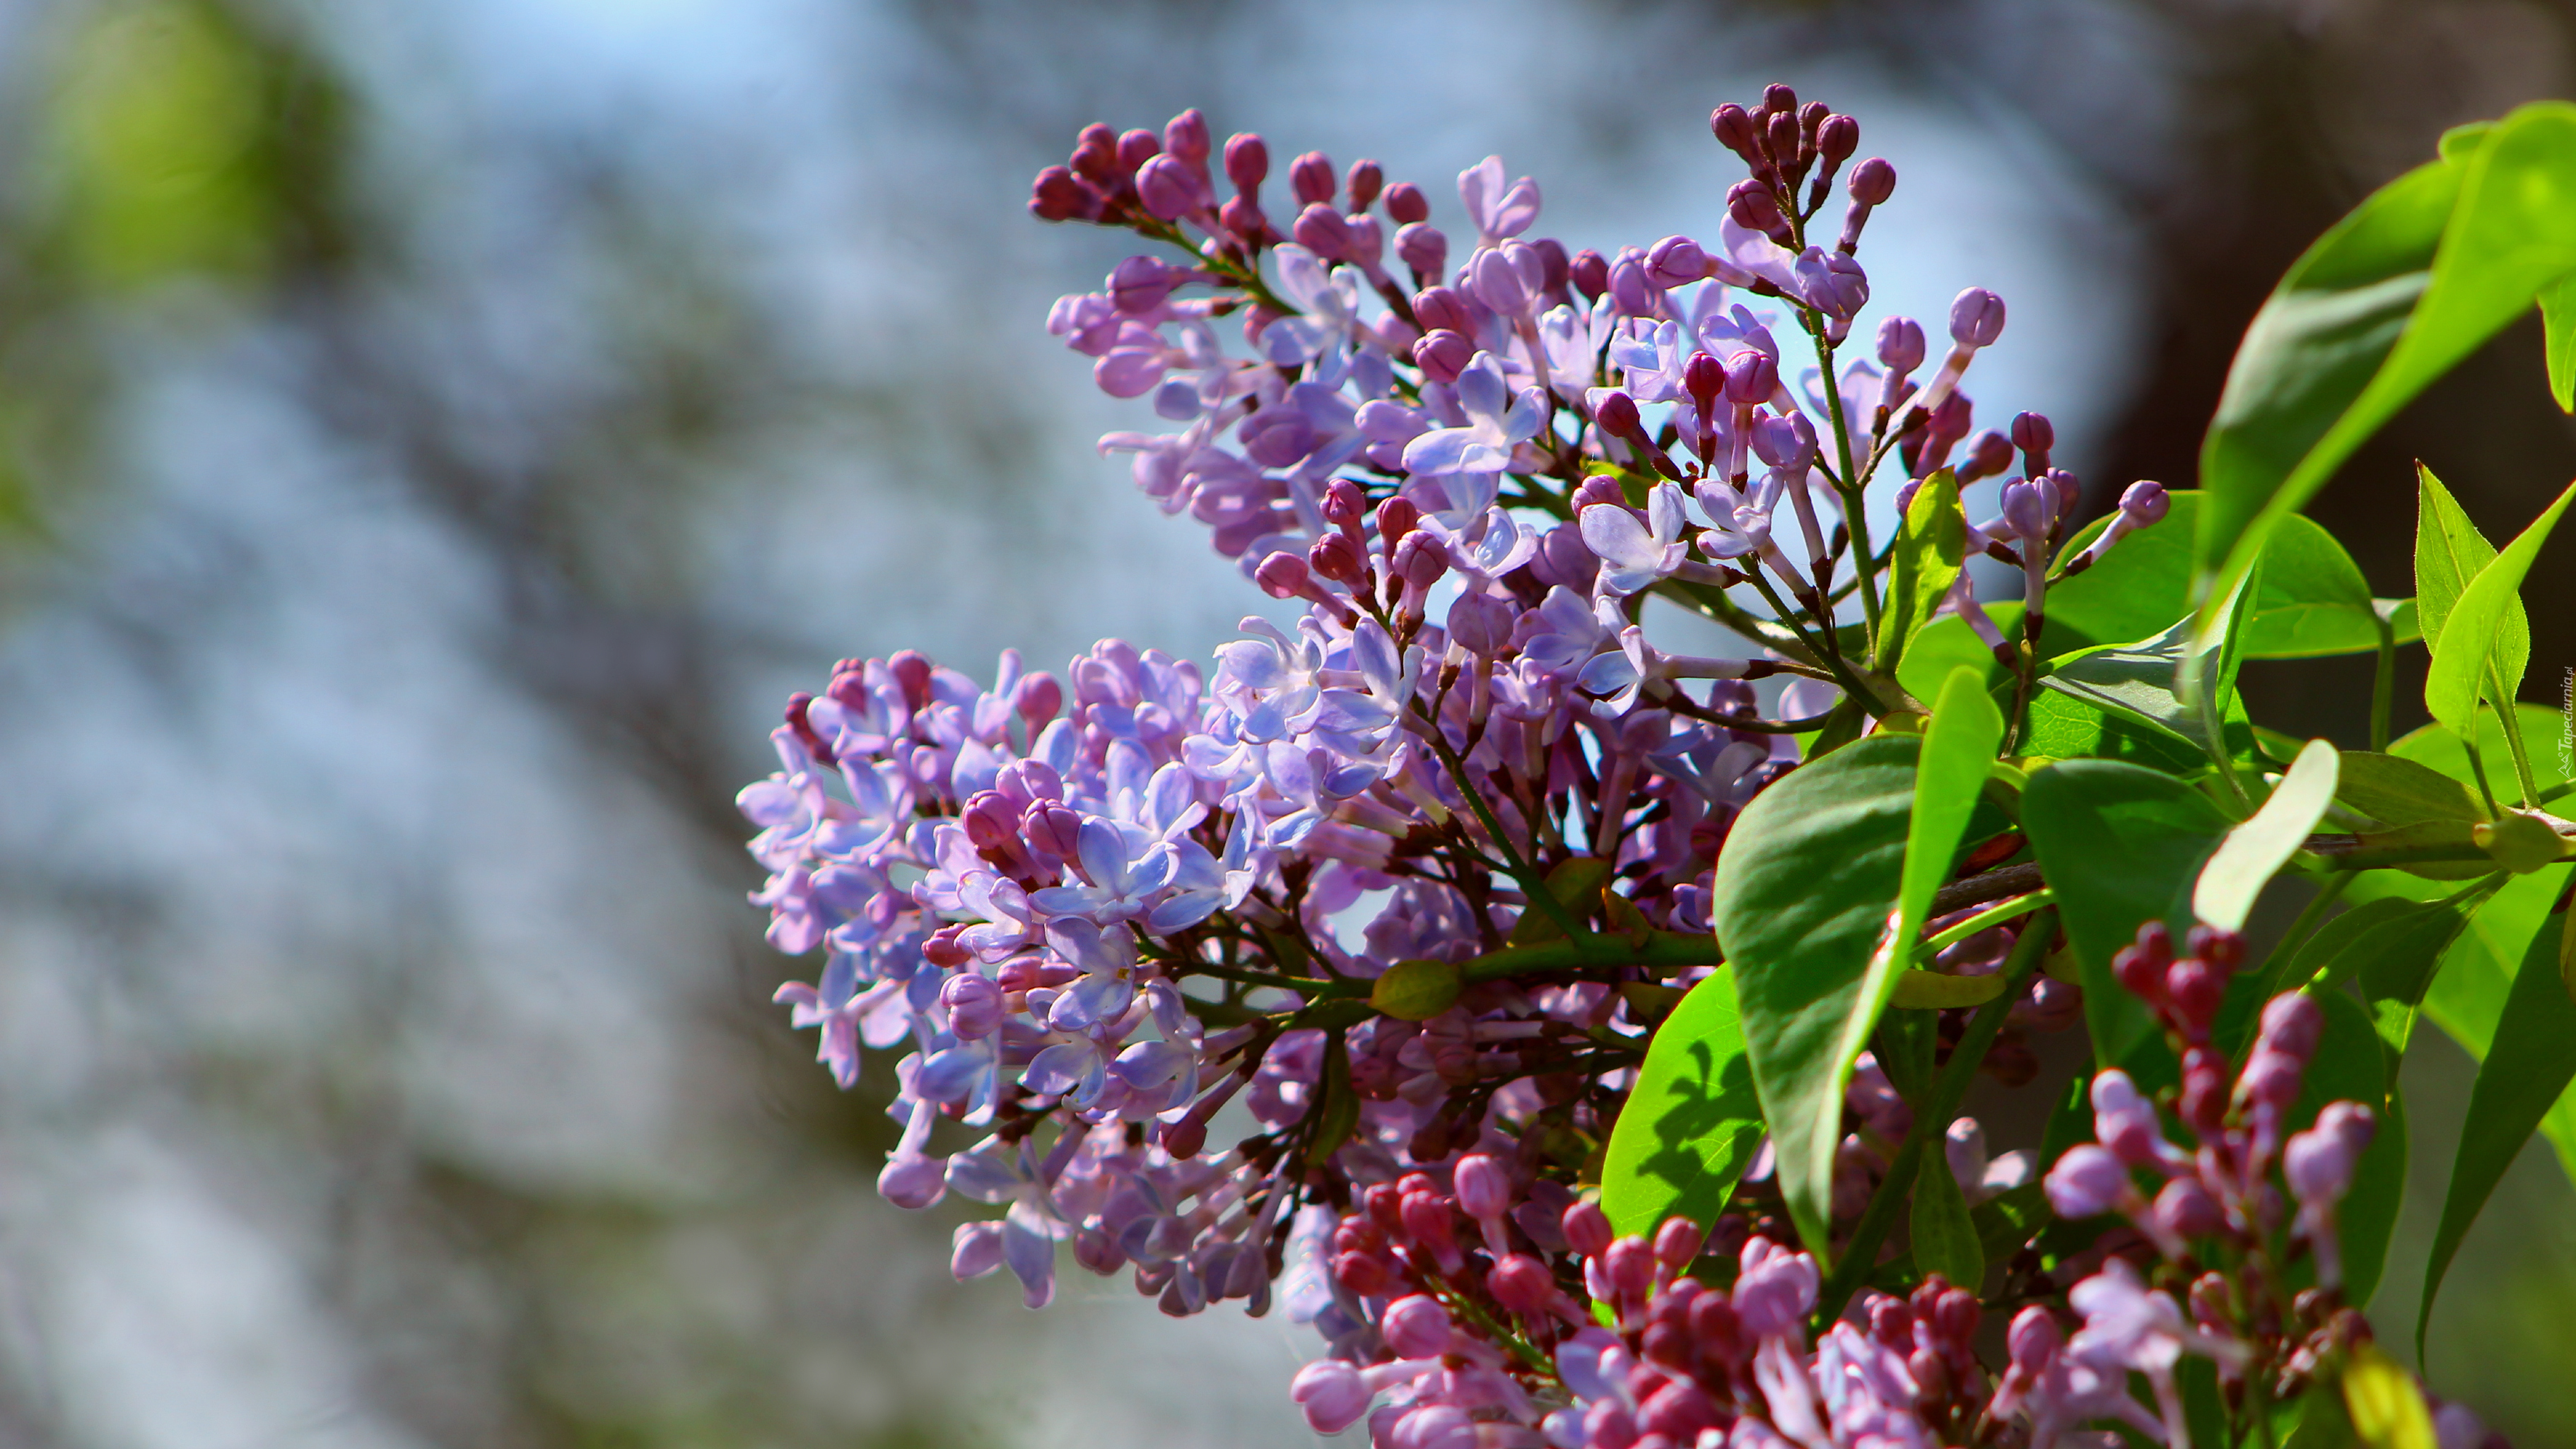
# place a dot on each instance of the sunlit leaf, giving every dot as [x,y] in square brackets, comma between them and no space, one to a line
[2558,325]
[1691,1123]
[2312,600]
[1806,884]
[2121,845]
[2470,644]
[2256,850]
[2423,272]
[1925,563]
[2399,791]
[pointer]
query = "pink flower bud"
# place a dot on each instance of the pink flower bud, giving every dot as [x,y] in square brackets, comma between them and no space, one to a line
[1136,147]
[2186,1210]
[1282,576]
[1616,414]
[1751,378]
[1676,261]
[2087,1182]
[1631,1266]
[1405,204]
[1900,344]
[2292,1025]
[1484,1186]
[1872,182]
[974,1005]
[1416,1327]
[1186,136]
[1677,1242]
[1321,230]
[1756,209]
[1337,558]
[1310,178]
[1396,518]
[1331,1393]
[1422,247]
[1732,125]
[1247,161]
[2145,502]
[1587,1229]
[1976,318]
[2033,1339]
[1838,138]
[1167,188]
[1522,1285]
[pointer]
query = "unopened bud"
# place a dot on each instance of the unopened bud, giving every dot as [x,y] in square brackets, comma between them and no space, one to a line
[1751,378]
[1310,178]
[1416,1327]
[1420,560]
[2087,1182]
[1395,519]
[2195,988]
[1837,138]
[1247,160]
[1630,1266]
[1522,1285]
[1704,377]
[1676,261]
[974,1005]
[1872,182]
[1733,127]
[2293,1023]
[1137,147]
[1976,318]
[1756,209]
[1366,180]
[1405,204]
[2186,1210]
[2033,1338]
[1282,576]
[1337,558]
[1677,1242]
[1900,344]
[1321,230]
[2222,949]
[1616,414]
[1587,1229]
[1422,247]
[1589,274]
[1442,355]
[1167,188]
[1989,453]
[2145,502]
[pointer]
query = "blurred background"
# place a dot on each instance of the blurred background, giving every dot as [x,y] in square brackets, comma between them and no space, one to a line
[433,438]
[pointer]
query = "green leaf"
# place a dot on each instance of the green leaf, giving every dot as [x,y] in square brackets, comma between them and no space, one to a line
[2423,272]
[2313,600]
[2382,1403]
[1929,546]
[2470,657]
[2395,963]
[2397,791]
[2151,682]
[1945,1240]
[1417,990]
[2255,851]
[2526,1068]
[1948,644]
[2121,845]
[2449,551]
[2442,750]
[2558,326]
[1576,885]
[1806,882]
[1692,1121]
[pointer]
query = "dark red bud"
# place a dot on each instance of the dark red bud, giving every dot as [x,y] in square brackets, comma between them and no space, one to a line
[1405,204]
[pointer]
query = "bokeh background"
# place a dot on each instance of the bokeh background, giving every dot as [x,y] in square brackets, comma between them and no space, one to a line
[434,437]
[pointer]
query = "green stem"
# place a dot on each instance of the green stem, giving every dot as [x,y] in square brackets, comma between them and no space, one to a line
[2511,719]
[1532,883]
[1860,1255]
[1984,920]
[2478,767]
[1850,485]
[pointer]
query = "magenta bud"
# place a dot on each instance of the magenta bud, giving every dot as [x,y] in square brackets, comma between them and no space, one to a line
[1247,161]
[1095,153]
[1900,344]
[1337,558]
[2033,1339]
[1976,318]
[1366,181]
[1282,576]
[2145,502]
[912,1182]
[1422,247]
[2203,1101]
[1755,208]
[1362,1273]
[1778,98]
[1420,560]
[1416,1327]
[2222,949]
[1956,1314]
[1405,204]
[1057,195]
[1732,125]
[1872,182]
[2032,434]
[2186,1210]
[1167,188]
[1442,355]
[1676,261]
[1482,624]
[1609,1425]
[1331,1394]
[2292,1025]
[1837,139]
[941,949]
[1751,378]
[1587,1229]
[1310,178]
[1438,307]
[1345,502]
[2271,1076]
[1240,216]
[1140,284]
[1598,490]
[1904,497]
[1630,1264]
[1137,147]
[1787,443]
[1589,274]
[2087,1182]
[1616,414]
[1677,1242]
[2195,988]
[1632,291]
[1522,1285]
[2319,1162]
[1395,519]
[1186,136]
[1989,453]
[2026,512]
[1038,698]
[1704,377]
[1321,230]
[974,1006]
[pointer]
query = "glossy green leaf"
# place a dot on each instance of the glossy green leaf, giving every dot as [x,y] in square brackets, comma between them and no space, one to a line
[2397,791]
[2470,648]
[1947,644]
[2526,1068]
[1806,882]
[1929,547]
[2449,551]
[2121,845]
[2558,325]
[1692,1121]
[2423,272]
[1945,1240]
[2256,850]
[2152,682]
[2394,964]
[2312,601]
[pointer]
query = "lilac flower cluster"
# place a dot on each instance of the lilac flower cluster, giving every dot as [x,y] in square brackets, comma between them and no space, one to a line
[1325,971]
